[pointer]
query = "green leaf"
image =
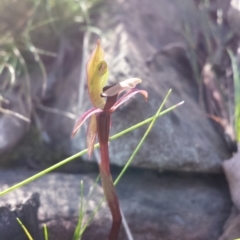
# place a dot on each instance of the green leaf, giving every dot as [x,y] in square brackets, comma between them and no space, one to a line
[45,232]
[236,79]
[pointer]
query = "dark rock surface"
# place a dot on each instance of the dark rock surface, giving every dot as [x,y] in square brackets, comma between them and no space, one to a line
[231,169]
[26,211]
[156,206]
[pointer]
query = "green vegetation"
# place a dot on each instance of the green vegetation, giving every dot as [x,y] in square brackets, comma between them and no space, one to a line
[45,232]
[236,78]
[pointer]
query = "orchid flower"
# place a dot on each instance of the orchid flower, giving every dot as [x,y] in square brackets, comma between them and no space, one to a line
[105,101]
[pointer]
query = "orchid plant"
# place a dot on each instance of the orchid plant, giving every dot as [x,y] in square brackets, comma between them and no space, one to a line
[105,100]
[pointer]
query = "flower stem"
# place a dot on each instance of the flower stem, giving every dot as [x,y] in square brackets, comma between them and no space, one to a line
[103,126]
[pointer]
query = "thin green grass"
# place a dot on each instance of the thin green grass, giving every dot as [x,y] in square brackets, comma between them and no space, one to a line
[143,138]
[77,233]
[83,209]
[24,229]
[236,80]
[45,231]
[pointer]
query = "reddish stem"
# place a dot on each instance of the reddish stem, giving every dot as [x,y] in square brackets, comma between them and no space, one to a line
[103,125]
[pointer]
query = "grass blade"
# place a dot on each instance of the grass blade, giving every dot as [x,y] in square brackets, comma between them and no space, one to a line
[45,232]
[24,229]
[142,140]
[236,79]
[77,235]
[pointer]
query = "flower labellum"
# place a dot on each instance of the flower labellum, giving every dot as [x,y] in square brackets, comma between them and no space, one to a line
[121,86]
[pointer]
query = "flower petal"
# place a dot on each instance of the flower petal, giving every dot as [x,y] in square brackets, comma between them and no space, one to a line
[97,75]
[121,86]
[82,119]
[127,96]
[91,134]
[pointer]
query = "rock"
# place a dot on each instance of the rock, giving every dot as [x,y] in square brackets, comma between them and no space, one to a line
[156,206]
[12,127]
[232,171]
[26,212]
[232,226]
[61,95]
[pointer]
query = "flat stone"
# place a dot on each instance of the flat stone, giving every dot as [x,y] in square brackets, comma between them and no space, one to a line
[156,206]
